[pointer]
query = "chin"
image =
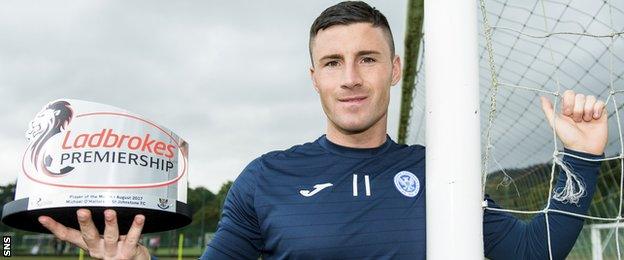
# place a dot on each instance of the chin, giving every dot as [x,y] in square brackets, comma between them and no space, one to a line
[354,127]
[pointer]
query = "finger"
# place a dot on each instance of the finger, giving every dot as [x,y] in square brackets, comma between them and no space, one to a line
[588,110]
[88,230]
[134,234]
[111,232]
[579,106]
[62,232]
[599,107]
[567,106]
[549,112]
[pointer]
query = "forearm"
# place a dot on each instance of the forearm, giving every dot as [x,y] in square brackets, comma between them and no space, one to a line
[504,234]
[565,228]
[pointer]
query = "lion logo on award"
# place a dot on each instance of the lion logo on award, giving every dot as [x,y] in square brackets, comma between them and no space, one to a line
[51,120]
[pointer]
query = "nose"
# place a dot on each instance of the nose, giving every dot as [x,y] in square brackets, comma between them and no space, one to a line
[351,77]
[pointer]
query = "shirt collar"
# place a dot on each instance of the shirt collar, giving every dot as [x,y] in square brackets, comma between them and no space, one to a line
[355,152]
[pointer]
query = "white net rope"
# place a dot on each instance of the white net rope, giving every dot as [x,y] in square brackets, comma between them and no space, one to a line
[541,48]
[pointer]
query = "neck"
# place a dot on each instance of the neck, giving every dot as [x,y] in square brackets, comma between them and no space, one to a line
[372,137]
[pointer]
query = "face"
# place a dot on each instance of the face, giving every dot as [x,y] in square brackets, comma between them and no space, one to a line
[42,122]
[353,71]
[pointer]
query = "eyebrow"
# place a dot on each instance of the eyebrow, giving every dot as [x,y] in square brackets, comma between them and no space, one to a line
[331,57]
[340,57]
[367,52]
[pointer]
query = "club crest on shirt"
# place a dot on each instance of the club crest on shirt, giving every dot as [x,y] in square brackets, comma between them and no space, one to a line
[407,183]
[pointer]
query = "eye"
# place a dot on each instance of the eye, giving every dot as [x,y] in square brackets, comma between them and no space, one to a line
[331,64]
[368,60]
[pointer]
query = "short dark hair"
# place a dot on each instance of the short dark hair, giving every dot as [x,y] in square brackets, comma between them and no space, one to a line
[350,12]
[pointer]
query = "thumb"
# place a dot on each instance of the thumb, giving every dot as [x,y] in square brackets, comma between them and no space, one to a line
[549,112]
[604,116]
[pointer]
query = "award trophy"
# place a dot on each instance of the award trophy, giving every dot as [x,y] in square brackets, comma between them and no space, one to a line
[88,155]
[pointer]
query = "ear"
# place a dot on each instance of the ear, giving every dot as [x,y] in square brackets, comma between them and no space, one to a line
[314,83]
[396,70]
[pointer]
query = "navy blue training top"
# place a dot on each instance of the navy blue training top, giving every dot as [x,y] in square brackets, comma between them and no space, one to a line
[320,200]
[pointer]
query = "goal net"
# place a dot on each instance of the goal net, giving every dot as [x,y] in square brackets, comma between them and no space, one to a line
[539,48]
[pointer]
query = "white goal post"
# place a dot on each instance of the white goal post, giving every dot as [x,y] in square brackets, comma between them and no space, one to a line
[453,185]
[598,246]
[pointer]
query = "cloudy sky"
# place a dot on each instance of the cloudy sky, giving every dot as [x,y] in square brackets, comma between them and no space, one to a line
[230,77]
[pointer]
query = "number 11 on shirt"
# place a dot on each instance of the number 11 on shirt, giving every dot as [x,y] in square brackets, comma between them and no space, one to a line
[366,184]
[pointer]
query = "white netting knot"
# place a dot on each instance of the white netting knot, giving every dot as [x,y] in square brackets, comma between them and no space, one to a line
[574,188]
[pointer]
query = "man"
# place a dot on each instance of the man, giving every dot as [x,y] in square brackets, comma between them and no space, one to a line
[354,193]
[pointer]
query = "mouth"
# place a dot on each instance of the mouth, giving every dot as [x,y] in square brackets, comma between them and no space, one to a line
[353,99]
